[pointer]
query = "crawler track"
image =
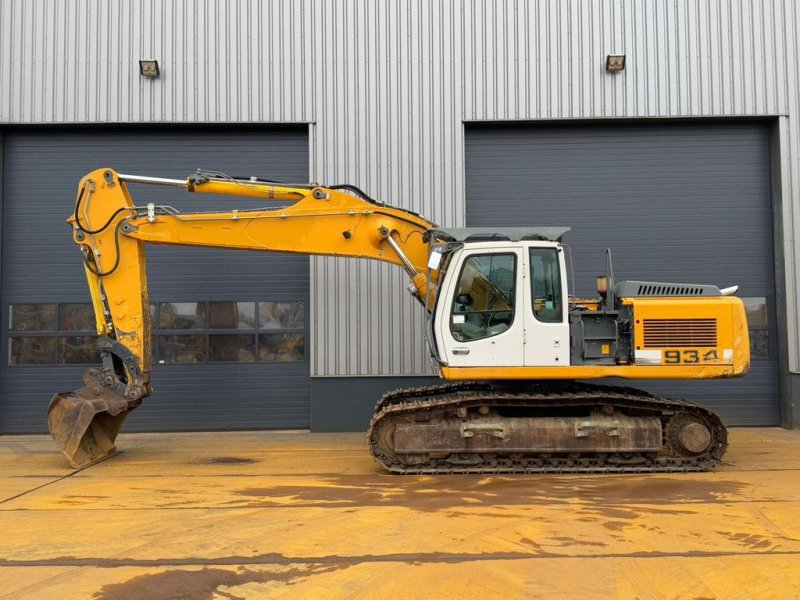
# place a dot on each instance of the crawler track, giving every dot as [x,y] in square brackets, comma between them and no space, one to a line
[449,402]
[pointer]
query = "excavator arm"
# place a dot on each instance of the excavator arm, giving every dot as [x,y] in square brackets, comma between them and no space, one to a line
[111,232]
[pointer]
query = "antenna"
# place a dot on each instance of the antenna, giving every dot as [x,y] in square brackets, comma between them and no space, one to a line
[610,299]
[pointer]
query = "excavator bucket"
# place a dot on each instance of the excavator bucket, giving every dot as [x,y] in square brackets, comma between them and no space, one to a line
[85,422]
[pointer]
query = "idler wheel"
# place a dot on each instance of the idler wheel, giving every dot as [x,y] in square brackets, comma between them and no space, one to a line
[689,435]
[383,438]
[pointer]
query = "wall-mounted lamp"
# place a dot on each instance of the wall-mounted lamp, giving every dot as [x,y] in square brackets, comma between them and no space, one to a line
[149,68]
[615,62]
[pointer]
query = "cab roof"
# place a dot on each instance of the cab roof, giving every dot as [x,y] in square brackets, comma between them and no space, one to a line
[502,234]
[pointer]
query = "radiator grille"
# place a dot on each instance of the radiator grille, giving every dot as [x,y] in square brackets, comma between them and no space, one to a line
[680,333]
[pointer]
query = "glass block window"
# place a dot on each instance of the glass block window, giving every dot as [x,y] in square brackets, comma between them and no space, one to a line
[758,326]
[52,334]
[219,332]
[183,333]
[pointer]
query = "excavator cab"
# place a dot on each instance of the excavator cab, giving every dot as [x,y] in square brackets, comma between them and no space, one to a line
[503,303]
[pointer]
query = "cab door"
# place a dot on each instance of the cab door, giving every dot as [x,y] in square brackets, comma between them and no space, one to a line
[478,324]
[545,311]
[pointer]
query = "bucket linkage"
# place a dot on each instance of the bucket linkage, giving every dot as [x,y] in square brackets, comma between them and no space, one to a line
[85,422]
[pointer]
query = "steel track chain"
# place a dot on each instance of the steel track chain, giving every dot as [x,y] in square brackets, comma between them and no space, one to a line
[449,397]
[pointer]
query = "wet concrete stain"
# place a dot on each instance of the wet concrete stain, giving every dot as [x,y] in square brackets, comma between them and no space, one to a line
[204,584]
[606,495]
[564,542]
[341,561]
[748,540]
[84,497]
[223,460]
[454,514]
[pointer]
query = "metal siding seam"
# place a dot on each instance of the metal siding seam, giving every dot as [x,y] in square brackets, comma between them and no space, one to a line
[670,51]
[685,35]
[790,197]
[552,58]
[747,63]
[103,95]
[637,52]
[713,49]
[739,65]
[732,64]
[683,60]
[773,87]
[779,58]
[758,70]
[616,43]
[5,59]
[692,52]
[706,65]
[653,63]
[517,75]
[723,27]
[791,222]
[593,59]
[25,83]
[284,35]
[572,49]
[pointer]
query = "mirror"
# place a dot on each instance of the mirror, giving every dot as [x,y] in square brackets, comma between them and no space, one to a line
[465,299]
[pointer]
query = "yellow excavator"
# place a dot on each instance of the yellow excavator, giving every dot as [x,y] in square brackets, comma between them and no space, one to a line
[502,329]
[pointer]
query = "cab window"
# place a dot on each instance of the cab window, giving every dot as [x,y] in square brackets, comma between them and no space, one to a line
[546,285]
[483,305]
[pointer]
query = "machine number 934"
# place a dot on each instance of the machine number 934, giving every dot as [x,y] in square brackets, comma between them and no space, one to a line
[689,357]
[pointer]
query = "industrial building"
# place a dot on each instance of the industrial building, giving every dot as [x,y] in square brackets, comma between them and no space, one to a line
[667,132]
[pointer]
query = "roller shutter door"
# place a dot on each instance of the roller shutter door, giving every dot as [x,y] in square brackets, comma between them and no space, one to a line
[259,379]
[683,202]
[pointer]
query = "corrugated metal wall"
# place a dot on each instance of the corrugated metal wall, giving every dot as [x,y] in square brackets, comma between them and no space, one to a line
[388,85]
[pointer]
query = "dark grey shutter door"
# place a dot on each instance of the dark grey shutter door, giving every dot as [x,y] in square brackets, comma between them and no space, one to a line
[41,265]
[684,202]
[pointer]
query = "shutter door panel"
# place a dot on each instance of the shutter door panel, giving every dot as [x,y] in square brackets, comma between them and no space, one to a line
[41,265]
[676,202]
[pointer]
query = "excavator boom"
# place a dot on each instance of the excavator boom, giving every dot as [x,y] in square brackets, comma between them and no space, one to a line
[111,232]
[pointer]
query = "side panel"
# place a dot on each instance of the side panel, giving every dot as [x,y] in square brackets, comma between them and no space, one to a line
[691,332]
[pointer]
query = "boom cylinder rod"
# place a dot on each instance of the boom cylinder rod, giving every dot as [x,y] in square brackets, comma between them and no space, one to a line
[407,264]
[180,183]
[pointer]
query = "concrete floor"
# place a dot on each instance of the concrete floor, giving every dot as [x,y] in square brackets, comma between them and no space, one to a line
[299,515]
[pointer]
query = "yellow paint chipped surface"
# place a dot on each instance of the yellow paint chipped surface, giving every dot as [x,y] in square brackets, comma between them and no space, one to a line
[298,515]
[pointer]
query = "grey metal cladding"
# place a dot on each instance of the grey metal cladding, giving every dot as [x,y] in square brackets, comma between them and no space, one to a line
[41,264]
[685,201]
[388,86]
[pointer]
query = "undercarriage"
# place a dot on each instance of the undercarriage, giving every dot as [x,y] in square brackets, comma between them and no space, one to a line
[542,427]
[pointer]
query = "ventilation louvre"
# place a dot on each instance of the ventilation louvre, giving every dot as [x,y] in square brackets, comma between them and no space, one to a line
[680,333]
[669,290]
[655,289]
